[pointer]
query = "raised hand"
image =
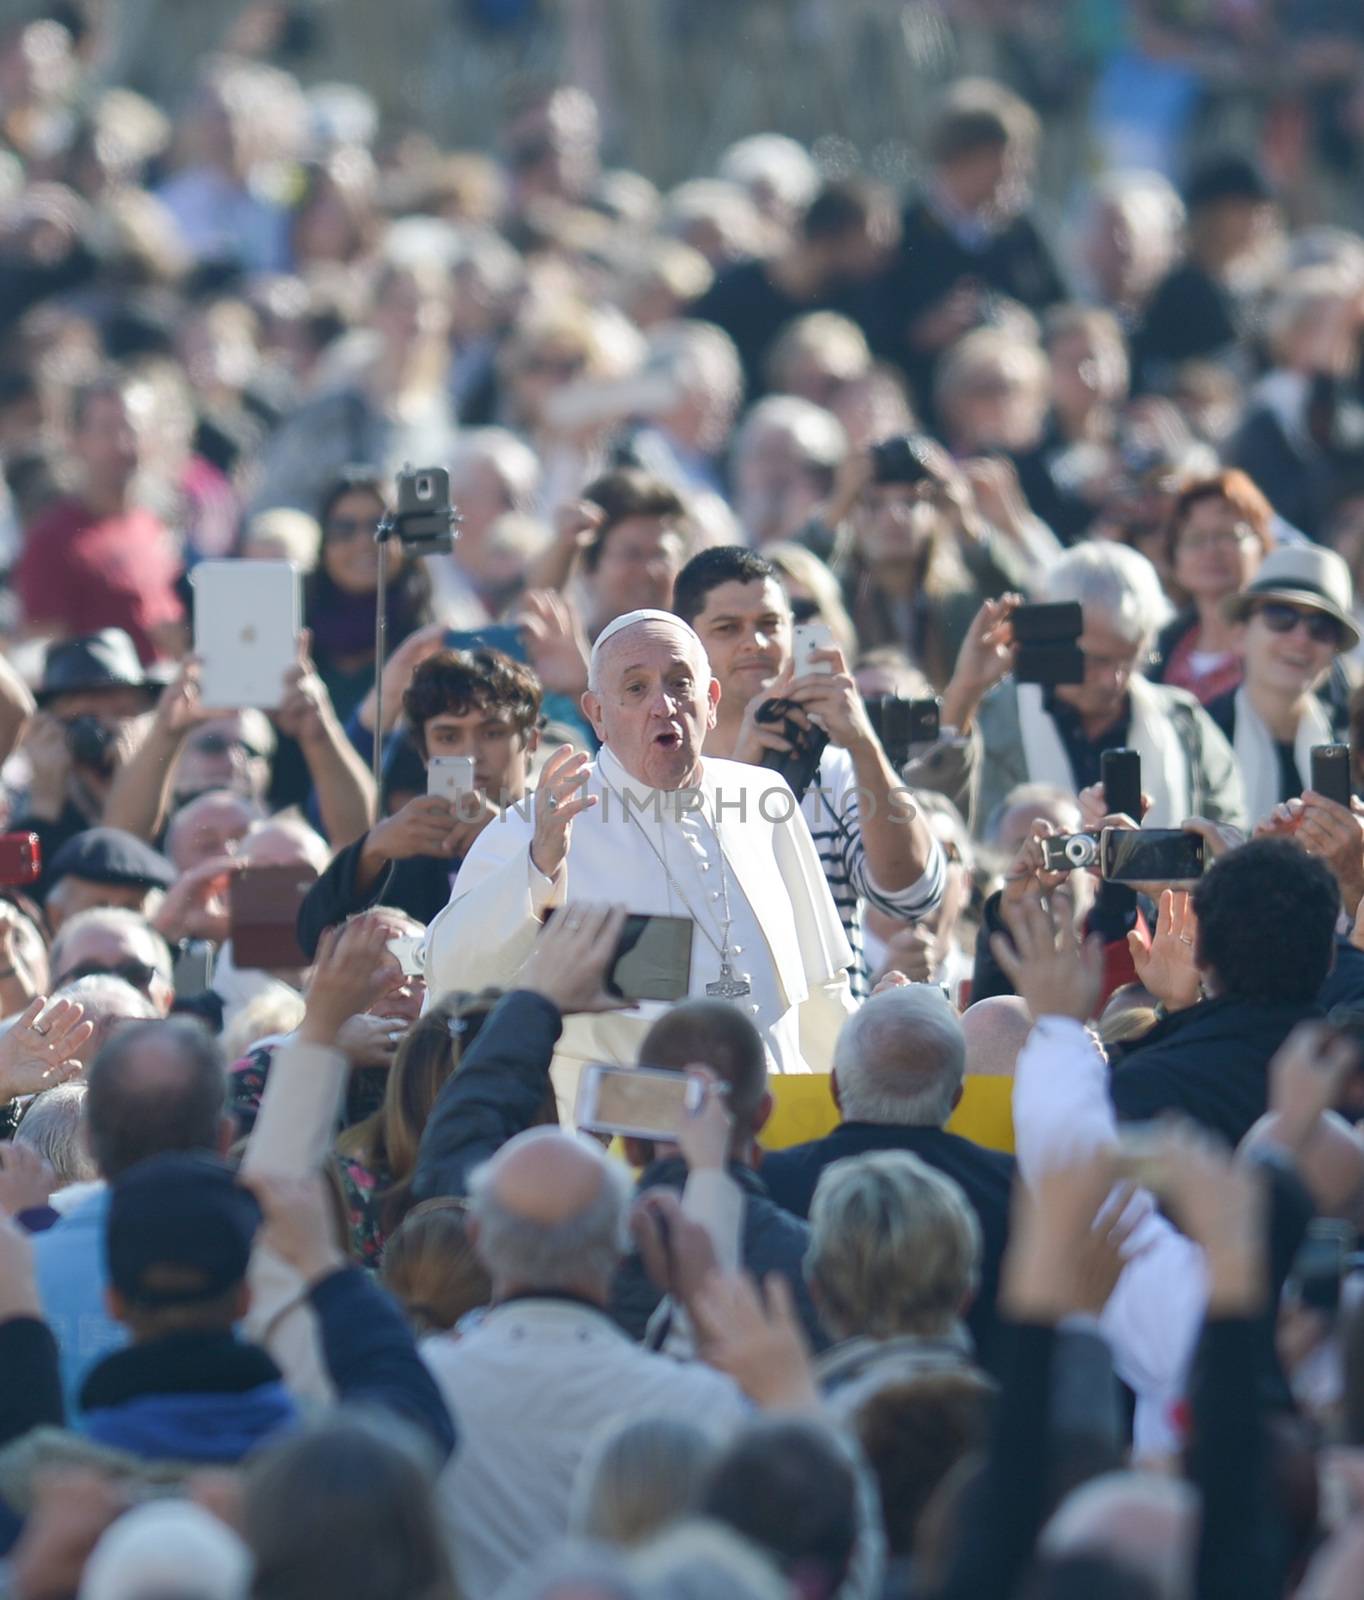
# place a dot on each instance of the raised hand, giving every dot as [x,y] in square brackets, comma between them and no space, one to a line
[985,658]
[558,799]
[196,905]
[1335,834]
[556,642]
[572,954]
[1050,968]
[1164,960]
[42,1048]
[352,969]
[297,1222]
[676,1250]
[705,1133]
[1306,1077]
[756,1338]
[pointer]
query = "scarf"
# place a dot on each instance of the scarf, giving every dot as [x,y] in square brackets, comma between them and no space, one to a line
[1165,772]
[1258,759]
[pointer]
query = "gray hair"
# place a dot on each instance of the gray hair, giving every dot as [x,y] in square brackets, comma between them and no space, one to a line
[894,1247]
[817,433]
[639,1474]
[104,995]
[515,463]
[114,918]
[1141,1520]
[583,1248]
[900,1057]
[1115,581]
[702,1559]
[786,167]
[52,1125]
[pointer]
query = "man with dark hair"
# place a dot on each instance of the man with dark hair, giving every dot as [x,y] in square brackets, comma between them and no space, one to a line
[874,847]
[155,1087]
[1265,943]
[477,703]
[842,240]
[968,236]
[717,1035]
[635,549]
[97,559]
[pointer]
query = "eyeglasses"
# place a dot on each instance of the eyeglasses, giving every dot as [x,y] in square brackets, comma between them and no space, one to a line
[341,530]
[137,973]
[1219,539]
[1279,617]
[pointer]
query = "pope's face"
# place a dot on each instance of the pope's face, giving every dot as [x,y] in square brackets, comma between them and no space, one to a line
[654,703]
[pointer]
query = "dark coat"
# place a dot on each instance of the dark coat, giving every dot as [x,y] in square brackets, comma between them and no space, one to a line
[420,886]
[772,1240]
[1209,1062]
[985,1176]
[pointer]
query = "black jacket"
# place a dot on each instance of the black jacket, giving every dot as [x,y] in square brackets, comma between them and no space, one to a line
[1210,1062]
[986,1178]
[420,886]
[772,1240]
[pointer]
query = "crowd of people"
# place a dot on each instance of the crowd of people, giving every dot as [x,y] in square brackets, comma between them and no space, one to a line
[319,1274]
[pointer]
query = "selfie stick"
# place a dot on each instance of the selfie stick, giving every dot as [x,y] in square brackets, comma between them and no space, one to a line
[425,531]
[385,530]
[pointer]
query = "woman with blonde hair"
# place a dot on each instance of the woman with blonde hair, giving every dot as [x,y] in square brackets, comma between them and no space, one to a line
[813,592]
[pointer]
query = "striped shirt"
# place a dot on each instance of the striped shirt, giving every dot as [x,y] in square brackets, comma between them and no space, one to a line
[830,806]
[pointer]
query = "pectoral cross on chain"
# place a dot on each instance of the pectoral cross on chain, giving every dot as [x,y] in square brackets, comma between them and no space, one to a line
[727,986]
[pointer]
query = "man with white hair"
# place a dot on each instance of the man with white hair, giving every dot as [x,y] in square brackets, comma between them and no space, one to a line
[783,465]
[720,843]
[114,941]
[546,1367]
[1139,1520]
[897,1075]
[1034,734]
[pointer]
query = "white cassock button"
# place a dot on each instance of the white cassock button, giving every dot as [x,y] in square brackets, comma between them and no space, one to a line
[715,894]
[705,866]
[737,950]
[753,1010]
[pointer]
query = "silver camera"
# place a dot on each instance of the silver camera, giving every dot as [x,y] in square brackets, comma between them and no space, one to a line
[1070,851]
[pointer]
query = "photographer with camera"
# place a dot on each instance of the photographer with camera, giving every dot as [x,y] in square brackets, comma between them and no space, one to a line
[873,848]
[93,691]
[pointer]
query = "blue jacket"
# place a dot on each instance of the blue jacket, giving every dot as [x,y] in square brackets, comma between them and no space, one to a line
[68,1260]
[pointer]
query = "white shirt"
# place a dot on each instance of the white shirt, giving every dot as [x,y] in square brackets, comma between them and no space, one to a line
[1153,1318]
[785,941]
[528,1388]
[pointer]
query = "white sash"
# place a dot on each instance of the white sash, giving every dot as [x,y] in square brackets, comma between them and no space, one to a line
[1258,759]
[1164,764]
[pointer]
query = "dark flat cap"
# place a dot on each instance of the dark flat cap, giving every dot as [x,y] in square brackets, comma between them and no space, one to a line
[179,1229]
[1229,176]
[109,855]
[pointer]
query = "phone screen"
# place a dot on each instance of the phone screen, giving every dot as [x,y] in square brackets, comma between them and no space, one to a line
[653,959]
[638,1101]
[1121,773]
[1157,855]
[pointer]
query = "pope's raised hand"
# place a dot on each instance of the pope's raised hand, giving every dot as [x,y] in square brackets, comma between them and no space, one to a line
[559,798]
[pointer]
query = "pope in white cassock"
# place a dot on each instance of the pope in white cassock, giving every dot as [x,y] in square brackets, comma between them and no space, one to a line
[653,826]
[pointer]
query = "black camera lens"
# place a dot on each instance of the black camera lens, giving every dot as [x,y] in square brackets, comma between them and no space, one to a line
[90,742]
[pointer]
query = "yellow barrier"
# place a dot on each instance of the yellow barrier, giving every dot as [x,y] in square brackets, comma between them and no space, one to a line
[803,1109]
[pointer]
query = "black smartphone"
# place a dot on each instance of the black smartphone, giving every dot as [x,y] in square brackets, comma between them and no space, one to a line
[1120,771]
[1047,624]
[1151,855]
[1321,1264]
[1331,772]
[652,959]
[901,459]
[1049,663]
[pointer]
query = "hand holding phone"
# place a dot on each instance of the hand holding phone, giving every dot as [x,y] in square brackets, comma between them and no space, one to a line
[636,1102]
[807,638]
[1331,772]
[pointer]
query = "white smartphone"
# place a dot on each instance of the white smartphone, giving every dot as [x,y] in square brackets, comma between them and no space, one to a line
[247,618]
[407,951]
[807,637]
[641,1102]
[451,777]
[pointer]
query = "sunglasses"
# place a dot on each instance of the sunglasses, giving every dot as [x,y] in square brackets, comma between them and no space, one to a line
[137,973]
[1281,618]
[341,530]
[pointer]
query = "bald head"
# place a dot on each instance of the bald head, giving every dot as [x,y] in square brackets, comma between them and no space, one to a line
[995,1030]
[549,1213]
[155,1087]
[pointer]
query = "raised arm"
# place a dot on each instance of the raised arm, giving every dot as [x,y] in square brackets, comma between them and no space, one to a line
[341,781]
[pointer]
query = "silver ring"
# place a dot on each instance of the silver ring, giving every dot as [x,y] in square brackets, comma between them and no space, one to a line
[552,804]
